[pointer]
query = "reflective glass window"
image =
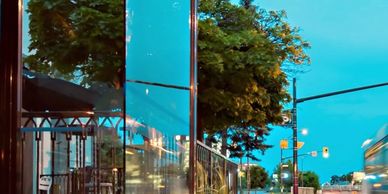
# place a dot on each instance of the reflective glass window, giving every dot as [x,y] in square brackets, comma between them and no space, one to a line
[158,41]
[157,96]
[73,96]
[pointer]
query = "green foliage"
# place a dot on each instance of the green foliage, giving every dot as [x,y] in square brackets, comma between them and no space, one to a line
[82,39]
[306,179]
[309,179]
[258,177]
[111,151]
[242,88]
[335,179]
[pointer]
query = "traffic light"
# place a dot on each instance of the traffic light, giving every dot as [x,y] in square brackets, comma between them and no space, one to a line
[325,152]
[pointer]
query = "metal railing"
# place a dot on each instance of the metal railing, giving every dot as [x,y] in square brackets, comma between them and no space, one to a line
[341,188]
[60,183]
[216,174]
[84,182]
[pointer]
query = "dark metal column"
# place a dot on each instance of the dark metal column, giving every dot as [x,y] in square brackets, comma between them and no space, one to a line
[281,170]
[295,139]
[193,95]
[10,80]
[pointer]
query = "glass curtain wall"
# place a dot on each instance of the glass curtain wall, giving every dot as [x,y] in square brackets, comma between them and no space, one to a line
[73,96]
[158,96]
[108,96]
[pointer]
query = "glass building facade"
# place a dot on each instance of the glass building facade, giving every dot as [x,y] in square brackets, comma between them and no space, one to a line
[100,97]
[158,96]
[108,96]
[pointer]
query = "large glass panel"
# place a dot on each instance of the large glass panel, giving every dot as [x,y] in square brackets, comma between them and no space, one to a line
[158,96]
[73,114]
[157,149]
[158,41]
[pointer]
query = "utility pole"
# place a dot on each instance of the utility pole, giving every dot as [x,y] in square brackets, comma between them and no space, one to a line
[295,139]
[241,171]
[281,170]
[248,177]
[295,102]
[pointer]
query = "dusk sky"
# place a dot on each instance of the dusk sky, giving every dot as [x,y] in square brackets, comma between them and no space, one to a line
[349,49]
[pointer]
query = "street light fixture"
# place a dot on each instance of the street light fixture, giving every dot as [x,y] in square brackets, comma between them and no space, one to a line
[284,146]
[304,131]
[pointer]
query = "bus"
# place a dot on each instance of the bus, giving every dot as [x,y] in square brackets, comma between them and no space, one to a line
[376,163]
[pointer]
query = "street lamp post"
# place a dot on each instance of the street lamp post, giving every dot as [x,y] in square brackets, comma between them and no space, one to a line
[295,139]
[281,170]
[295,101]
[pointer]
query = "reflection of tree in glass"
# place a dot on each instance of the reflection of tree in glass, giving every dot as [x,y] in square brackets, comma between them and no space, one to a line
[111,152]
[82,40]
[110,156]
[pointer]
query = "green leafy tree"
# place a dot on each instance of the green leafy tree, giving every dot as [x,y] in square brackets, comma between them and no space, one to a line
[306,179]
[335,180]
[82,40]
[258,177]
[345,178]
[309,179]
[242,87]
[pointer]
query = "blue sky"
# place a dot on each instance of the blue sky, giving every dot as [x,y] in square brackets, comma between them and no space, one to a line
[349,49]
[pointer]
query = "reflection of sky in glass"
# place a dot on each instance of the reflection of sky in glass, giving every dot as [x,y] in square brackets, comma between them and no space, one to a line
[158,44]
[25,35]
[164,109]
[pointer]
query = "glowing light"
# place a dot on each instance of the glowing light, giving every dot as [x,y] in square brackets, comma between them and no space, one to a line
[178,137]
[129,152]
[305,131]
[373,177]
[132,123]
[366,142]
[314,153]
[377,185]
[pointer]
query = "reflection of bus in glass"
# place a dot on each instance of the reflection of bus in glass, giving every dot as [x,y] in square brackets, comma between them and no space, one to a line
[376,163]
